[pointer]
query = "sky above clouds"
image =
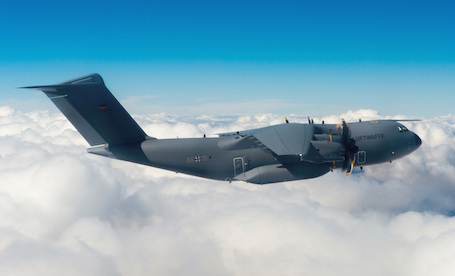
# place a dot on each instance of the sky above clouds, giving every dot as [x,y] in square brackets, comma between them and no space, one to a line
[204,67]
[308,57]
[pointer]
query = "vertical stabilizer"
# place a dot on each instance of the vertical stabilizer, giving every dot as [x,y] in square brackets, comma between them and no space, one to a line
[94,111]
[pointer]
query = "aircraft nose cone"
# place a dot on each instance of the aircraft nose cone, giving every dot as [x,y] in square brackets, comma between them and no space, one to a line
[417,140]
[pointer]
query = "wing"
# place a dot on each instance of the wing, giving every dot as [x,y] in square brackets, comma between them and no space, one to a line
[289,143]
[281,140]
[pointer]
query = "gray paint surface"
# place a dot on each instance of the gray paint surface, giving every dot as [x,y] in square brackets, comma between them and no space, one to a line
[266,155]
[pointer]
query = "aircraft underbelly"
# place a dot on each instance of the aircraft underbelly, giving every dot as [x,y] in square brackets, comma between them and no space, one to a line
[278,173]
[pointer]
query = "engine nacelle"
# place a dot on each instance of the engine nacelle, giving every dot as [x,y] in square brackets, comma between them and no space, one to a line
[326,151]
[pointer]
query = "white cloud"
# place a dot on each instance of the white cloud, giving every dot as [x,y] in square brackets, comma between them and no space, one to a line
[63,210]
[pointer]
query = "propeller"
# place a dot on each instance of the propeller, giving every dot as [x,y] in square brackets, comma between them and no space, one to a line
[350,148]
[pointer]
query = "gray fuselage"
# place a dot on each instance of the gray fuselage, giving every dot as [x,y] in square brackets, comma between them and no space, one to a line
[265,155]
[228,158]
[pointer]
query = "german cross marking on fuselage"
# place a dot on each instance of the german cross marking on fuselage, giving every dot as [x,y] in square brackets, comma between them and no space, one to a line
[197,159]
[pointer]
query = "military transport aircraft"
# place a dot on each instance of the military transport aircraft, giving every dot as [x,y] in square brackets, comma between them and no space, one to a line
[278,153]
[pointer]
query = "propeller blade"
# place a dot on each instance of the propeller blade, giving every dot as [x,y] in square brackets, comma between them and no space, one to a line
[350,148]
[346,132]
[352,167]
[345,163]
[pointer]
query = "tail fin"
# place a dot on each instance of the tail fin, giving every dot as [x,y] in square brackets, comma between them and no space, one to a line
[94,111]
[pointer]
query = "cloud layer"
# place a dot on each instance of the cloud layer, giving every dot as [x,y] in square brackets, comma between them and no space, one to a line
[62,209]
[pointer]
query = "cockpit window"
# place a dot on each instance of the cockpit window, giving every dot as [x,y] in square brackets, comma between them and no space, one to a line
[402,129]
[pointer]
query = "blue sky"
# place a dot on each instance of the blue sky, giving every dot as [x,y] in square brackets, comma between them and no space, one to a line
[315,58]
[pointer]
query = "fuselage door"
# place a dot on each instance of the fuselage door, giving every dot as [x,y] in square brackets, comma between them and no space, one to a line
[361,157]
[239,166]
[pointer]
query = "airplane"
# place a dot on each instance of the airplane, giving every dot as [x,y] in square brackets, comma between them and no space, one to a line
[278,153]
